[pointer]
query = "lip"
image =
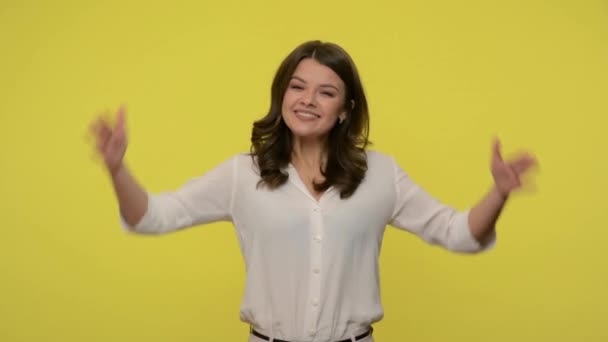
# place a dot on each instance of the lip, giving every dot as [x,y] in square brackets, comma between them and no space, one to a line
[305,117]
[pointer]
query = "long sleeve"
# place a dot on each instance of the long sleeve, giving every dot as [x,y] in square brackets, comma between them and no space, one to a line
[203,199]
[436,223]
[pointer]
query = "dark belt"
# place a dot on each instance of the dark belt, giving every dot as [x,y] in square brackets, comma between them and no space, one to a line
[357,338]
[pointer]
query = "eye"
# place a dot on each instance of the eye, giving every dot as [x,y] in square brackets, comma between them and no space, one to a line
[296,86]
[327,93]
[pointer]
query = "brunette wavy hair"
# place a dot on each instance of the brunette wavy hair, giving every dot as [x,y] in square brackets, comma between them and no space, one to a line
[271,139]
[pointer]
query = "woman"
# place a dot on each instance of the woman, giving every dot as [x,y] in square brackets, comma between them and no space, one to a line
[310,203]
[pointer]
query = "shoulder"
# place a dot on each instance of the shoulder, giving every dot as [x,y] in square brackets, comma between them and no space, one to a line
[380,165]
[242,158]
[245,163]
[239,158]
[235,163]
[376,159]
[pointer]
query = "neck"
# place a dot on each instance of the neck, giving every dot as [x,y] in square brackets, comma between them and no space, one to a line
[309,153]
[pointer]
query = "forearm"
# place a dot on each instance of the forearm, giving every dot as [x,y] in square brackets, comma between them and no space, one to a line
[483,217]
[132,198]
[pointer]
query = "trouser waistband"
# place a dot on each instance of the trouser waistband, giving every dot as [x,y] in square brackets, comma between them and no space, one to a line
[266,338]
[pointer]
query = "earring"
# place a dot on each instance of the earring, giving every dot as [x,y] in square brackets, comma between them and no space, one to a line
[341,120]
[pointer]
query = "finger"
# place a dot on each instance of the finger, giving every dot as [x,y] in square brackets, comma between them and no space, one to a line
[119,129]
[98,133]
[94,126]
[120,116]
[102,142]
[92,135]
[104,133]
[528,187]
[496,155]
[117,139]
[522,164]
[103,129]
[98,123]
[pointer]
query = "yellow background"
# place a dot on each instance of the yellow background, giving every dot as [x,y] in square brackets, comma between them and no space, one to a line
[442,78]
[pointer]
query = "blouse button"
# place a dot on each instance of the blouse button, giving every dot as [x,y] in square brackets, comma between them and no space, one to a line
[316,210]
[315,303]
[317,238]
[316,270]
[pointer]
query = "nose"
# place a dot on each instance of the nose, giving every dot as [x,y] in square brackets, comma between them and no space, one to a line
[308,98]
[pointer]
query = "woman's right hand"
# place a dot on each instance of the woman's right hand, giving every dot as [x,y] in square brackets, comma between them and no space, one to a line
[111,142]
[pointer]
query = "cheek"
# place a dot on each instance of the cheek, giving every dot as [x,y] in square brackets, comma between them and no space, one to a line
[287,101]
[334,108]
[286,107]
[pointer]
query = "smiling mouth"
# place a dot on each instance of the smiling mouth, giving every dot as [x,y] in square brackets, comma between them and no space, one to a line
[306,114]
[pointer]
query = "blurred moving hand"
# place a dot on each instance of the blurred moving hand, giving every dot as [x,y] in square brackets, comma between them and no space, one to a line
[508,174]
[111,142]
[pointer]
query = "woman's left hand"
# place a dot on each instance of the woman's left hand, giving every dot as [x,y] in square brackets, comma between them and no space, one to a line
[508,174]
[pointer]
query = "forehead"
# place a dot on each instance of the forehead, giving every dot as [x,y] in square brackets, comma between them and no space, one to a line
[311,71]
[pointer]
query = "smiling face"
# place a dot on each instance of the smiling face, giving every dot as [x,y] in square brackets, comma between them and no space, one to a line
[313,101]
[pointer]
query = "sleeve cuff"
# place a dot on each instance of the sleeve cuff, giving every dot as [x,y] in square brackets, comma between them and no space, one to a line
[463,238]
[143,222]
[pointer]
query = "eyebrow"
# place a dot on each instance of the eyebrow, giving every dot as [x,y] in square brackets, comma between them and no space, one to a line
[322,85]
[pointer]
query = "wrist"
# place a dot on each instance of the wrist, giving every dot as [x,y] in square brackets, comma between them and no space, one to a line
[502,194]
[117,170]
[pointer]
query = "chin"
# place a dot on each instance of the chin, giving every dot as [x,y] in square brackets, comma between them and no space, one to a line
[305,131]
[308,135]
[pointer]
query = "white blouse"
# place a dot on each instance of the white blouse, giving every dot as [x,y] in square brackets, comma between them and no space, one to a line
[312,267]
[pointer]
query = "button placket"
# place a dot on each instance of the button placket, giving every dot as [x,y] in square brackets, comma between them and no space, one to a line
[315,264]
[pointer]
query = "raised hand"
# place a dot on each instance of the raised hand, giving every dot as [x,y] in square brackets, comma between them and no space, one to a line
[508,174]
[111,142]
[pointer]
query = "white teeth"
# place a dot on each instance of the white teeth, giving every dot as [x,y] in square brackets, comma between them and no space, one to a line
[311,115]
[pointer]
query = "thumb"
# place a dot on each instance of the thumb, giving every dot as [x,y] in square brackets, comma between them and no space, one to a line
[496,155]
[120,117]
[119,133]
